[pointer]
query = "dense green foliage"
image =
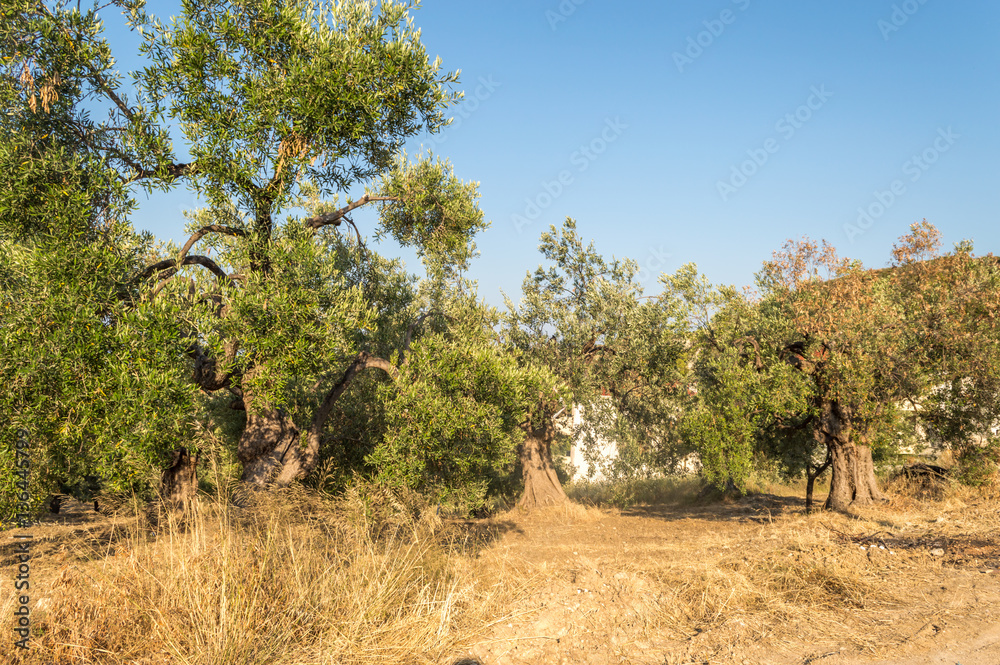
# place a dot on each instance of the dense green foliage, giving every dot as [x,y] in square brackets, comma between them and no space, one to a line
[830,353]
[282,106]
[621,356]
[100,385]
[453,418]
[277,335]
[93,376]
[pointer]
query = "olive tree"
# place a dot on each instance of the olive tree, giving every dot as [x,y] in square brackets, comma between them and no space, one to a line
[454,417]
[585,319]
[95,379]
[861,342]
[281,106]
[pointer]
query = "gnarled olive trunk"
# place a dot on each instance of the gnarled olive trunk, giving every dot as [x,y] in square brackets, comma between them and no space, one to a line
[541,484]
[267,446]
[852,480]
[179,482]
[271,447]
[270,443]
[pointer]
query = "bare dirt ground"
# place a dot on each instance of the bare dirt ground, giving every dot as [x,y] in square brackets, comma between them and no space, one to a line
[756,581]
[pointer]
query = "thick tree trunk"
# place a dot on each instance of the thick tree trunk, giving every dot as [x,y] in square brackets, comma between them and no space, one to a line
[267,440]
[271,447]
[541,484]
[179,483]
[852,479]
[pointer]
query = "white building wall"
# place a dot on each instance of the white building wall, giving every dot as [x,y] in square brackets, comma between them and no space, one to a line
[608,451]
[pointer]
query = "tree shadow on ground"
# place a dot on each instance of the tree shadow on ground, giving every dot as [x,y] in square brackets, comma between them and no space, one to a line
[957,550]
[756,508]
[77,533]
[471,536]
[887,523]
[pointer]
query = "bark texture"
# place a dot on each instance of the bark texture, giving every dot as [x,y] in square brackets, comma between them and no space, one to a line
[270,447]
[269,436]
[541,484]
[852,480]
[179,483]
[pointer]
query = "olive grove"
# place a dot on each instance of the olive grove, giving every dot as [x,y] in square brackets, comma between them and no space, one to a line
[815,370]
[277,337]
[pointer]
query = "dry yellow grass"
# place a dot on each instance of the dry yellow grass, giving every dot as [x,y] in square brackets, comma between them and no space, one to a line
[379,577]
[753,581]
[292,579]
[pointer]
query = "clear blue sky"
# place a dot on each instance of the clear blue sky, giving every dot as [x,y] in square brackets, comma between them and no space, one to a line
[712,131]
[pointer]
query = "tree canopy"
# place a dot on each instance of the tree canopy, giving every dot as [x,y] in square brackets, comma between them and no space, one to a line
[862,343]
[275,330]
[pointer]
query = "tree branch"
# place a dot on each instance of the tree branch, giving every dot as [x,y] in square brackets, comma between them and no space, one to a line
[171,266]
[796,357]
[205,230]
[98,78]
[361,362]
[337,216]
[174,170]
[592,348]
[758,359]
[206,369]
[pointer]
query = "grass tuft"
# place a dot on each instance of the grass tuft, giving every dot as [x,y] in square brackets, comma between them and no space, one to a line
[292,577]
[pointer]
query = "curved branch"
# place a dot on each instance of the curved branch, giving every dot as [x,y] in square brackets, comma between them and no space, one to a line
[357,232]
[205,230]
[307,456]
[758,362]
[174,171]
[712,338]
[171,265]
[159,287]
[208,373]
[362,361]
[591,348]
[382,364]
[337,216]
[159,266]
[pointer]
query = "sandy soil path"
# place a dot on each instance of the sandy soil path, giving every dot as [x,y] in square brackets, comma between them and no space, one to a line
[650,586]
